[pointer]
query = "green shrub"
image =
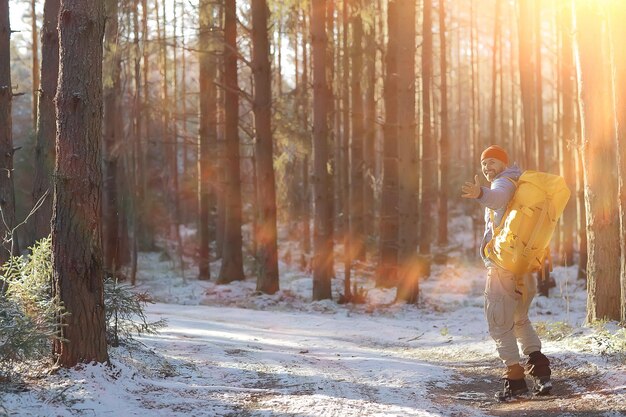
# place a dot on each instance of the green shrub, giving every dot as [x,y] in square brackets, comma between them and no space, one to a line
[124,312]
[29,314]
[20,337]
[553,331]
[610,344]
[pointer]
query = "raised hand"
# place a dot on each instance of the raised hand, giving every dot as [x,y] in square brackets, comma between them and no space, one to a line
[471,190]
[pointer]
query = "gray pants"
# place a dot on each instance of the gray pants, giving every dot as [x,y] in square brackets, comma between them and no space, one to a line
[507,299]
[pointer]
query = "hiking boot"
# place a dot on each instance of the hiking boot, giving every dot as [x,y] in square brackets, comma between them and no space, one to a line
[538,365]
[512,388]
[541,385]
[538,369]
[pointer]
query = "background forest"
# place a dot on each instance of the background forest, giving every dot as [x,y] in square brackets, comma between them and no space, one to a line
[332,135]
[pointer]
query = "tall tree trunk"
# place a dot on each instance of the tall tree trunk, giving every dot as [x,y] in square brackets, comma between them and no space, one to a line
[148,126]
[568,140]
[599,166]
[356,148]
[345,152]
[444,146]
[9,241]
[408,289]
[513,88]
[78,271]
[135,163]
[387,275]
[323,231]
[35,66]
[539,144]
[339,163]
[207,132]
[618,33]
[494,73]
[369,145]
[175,195]
[220,148]
[112,137]
[429,159]
[267,252]
[332,126]
[46,120]
[527,82]
[278,48]
[581,215]
[505,138]
[306,193]
[474,87]
[189,210]
[232,257]
[294,193]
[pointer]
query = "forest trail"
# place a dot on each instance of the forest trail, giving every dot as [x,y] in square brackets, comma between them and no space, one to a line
[309,364]
[578,391]
[229,352]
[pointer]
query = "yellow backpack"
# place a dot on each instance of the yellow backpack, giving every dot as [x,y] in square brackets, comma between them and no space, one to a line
[521,242]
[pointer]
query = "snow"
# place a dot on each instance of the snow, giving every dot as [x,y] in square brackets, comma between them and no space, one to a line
[229,351]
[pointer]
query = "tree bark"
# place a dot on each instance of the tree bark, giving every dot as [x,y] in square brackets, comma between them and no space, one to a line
[618,33]
[332,111]
[442,237]
[35,66]
[305,192]
[175,195]
[408,182]
[356,148]
[9,241]
[494,73]
[112,137]
[207,132]
[369,145]
[135,162]
[568,132]
[599,166]
[527,81]
[429,158]
[323,197]
[345,153]
[46,120]
[387,274]
[477,140]
[267,252]
[78,272]
[232,257]
[539,144]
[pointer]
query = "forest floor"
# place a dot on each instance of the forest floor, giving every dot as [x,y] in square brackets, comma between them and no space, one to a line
[229,351]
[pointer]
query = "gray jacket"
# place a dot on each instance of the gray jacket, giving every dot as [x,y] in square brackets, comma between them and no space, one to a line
[497,199]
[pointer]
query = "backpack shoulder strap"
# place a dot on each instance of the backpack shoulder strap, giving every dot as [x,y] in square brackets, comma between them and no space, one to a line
[496,230]
[512,180]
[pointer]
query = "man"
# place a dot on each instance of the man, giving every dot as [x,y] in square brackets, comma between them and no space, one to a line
[507,296]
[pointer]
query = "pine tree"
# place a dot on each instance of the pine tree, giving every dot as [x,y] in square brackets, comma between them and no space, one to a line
[232,257]
[323,197]
[8,244]
[599,166]
[46,120]
[76,229]
[267,252]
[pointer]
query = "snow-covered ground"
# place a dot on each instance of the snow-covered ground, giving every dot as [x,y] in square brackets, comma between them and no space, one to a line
[228,351]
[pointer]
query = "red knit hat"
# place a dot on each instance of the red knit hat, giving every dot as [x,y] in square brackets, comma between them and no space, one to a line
[496,152]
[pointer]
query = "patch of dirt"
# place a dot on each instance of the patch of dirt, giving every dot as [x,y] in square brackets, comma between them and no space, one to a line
[576,392]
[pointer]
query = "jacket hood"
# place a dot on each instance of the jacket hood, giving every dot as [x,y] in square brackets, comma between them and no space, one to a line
[512,172]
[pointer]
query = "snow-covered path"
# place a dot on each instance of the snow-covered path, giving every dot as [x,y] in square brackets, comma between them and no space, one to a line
[298,363]
[240,362]
[230,352]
